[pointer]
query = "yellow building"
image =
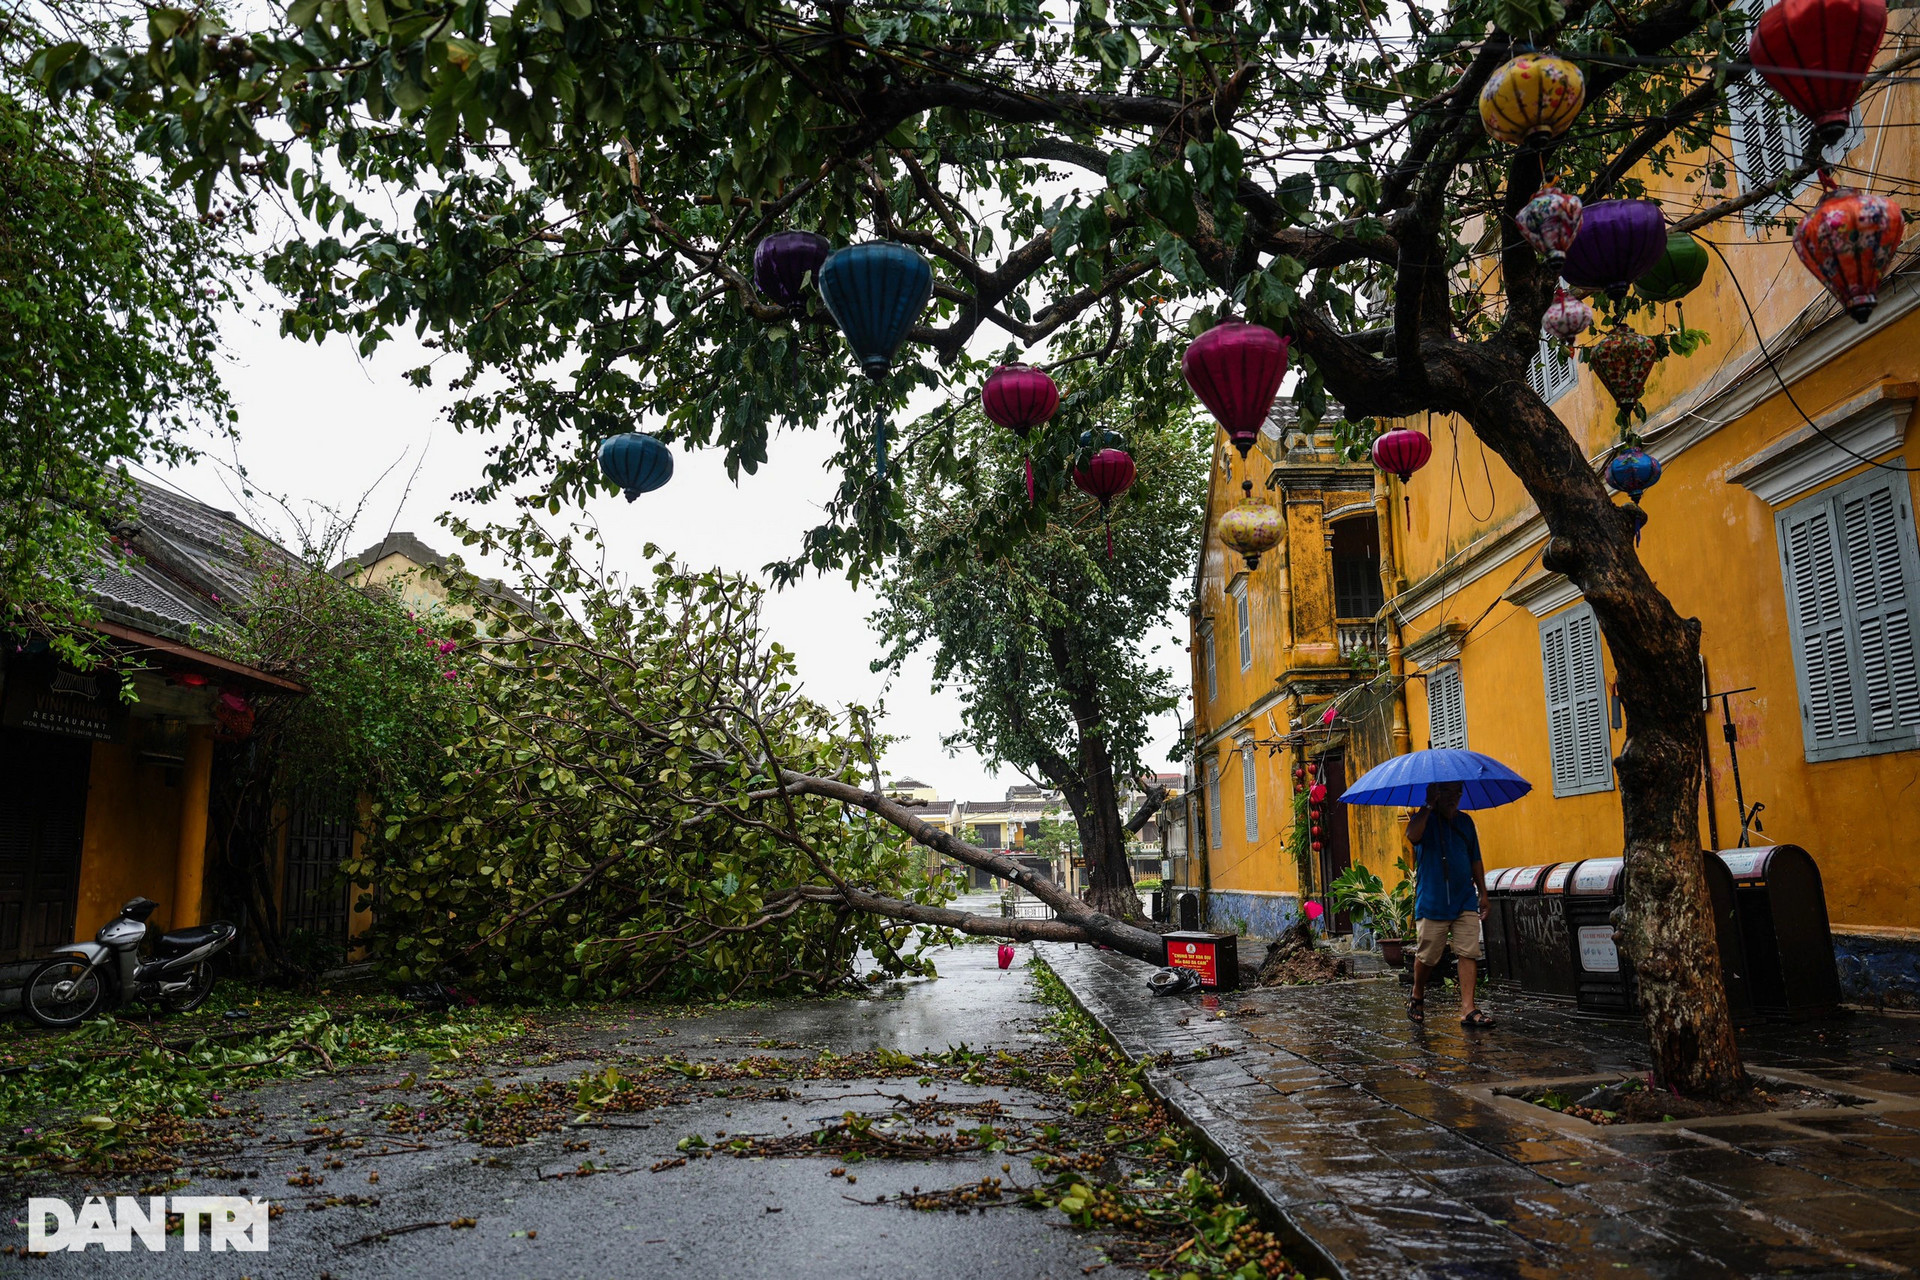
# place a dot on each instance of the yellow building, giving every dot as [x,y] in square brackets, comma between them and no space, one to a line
[1774,524]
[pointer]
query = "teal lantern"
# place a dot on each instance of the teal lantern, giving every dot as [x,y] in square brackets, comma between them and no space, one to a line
[636,464]
[875,292]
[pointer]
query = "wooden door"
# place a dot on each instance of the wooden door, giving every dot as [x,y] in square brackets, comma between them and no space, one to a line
[1336,850]
[43,812]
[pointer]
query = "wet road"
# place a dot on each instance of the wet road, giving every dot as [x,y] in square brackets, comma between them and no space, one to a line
[534,1216]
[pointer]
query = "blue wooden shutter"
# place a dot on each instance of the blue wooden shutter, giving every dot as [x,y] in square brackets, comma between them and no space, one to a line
[1880,596]
[1446,709]
[1588,676]
[1556,671]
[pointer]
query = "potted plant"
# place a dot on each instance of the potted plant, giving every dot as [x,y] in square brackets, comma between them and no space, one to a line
[1387,913]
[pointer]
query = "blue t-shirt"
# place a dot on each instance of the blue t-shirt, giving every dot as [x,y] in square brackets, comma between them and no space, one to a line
[1443,887]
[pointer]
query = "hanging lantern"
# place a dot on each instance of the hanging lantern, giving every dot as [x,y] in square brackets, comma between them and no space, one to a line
[1566,317]
[1251,528]
[875,292]
[1622,360]
[1847,241]
[1677,273]
[636,464]
[1235,368]
[1618,242]
[1549,221]
[1108,474]
[1020,397]
[783,261]
[1633,471]
[1815,54]
[1402,452]
[1534,97]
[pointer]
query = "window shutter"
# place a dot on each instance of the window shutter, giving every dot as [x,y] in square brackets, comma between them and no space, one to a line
[1243,616]
[1588,677]
[1249,772]
[1817,613]
[1881,600]
[1551,373]
[1446,709]
[1560,740]
[1213,803]
[1213,679]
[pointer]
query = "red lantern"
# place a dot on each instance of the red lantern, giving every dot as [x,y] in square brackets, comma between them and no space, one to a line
[1401,451]
[1834,40]
[1235,368]
[1847,241]
[1622,360]
[1020,397]
[1318,792]
[1107,475]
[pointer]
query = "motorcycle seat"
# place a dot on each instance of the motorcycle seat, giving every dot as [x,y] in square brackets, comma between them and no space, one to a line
[181,941]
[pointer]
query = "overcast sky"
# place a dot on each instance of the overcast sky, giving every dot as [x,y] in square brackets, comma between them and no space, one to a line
[318,424]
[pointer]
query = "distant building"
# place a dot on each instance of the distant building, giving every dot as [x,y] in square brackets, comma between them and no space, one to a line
[421,572]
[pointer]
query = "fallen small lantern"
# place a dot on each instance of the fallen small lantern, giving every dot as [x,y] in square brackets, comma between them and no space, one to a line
[635,463]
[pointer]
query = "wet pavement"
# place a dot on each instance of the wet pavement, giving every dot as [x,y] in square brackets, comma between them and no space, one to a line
[1384,1145]
[533,1215]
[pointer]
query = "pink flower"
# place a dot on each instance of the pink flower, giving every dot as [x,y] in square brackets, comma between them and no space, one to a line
[448,646]
[1313,909]
[419,631]
[450,674]
[1317,792]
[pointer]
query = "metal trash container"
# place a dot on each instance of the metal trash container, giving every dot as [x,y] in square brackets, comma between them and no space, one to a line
[1157,905]
[1726,927]
[1539,952]
[1213,957]
[1782,910]
[1496,933]
[1603,976]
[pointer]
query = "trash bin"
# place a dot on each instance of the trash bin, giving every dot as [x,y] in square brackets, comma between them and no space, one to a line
[1214,957]
[1603,977]
[1496,930]
[1539,953]
[1157,905]
[1782,911]
[1726,927]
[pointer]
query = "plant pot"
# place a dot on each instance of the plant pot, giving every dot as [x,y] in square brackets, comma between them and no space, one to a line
[1394,952]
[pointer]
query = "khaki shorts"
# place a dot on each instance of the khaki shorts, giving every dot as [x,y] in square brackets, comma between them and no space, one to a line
[1462,934]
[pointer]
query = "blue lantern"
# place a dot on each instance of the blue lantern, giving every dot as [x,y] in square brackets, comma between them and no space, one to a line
[638,464]
[1633,471]
[875,292]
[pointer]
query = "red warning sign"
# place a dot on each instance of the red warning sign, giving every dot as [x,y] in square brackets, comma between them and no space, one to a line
[1201,957]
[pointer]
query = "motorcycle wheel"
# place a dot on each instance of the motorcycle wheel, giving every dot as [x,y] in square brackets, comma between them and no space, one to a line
[195,994]
[63,992]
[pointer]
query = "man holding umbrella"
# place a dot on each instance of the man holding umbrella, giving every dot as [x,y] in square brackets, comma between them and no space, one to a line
[1449,897]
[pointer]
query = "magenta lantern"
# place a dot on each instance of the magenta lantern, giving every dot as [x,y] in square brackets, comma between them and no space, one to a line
[1020,397]
[1618,242]
[1107,475]
[1402,452]
[1235,368]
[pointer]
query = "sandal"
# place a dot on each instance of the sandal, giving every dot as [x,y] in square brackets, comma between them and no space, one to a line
[1417,1008]
[1477,1017]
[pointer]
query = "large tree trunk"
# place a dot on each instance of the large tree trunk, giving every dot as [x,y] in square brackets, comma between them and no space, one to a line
[1103,837]
[1668,921]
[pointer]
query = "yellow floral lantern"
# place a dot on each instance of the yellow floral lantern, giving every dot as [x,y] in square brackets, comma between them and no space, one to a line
[1252,528]
[1535,96]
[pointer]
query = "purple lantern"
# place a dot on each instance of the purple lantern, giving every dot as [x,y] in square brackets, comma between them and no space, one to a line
[1618,242]
[783,261]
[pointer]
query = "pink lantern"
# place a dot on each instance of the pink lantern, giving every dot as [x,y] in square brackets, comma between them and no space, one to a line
[1317,792]
[1402,452]
[1235,368]
[1107,475]
[1549,221]
[1313,909]
[1566,317]
[1020,397]
[1006,955]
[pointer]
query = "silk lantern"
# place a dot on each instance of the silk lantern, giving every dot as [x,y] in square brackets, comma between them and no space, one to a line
[1847,241]
[1618,242]
[1550,221]
[1633,471]
[783,261]
[1566,317]
[1251,528]
[1676,273]
[1402,452]
[875,292]
[1532,98]
[1816,53]
[1235,368]
[1020,397]
[636,463]
[1622,360]
[1108,474]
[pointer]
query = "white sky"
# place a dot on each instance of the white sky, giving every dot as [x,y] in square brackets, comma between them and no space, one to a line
[318,424]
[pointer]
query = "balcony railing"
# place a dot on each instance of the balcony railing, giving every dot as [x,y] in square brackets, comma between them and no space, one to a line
[1356,635]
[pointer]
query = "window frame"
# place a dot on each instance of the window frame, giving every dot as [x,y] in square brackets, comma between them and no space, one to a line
[1213,670]
[1214,835]
[1541,369]
[1446,708]
[1579,711]
[1830,507]
[1243,622]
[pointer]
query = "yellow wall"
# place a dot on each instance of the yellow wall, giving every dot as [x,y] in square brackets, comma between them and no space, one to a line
[133,833]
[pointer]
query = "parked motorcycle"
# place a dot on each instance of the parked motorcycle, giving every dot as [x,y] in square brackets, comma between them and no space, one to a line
[84,978]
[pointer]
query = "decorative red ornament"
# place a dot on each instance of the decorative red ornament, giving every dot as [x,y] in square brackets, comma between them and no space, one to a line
[1836,40]
[1316,846]
[1006,955]
[1020,397]
[1313,909]
[1317,792]
[1333,710]
[1847,241]
[1235,368]
[1402,452]
[1107,475]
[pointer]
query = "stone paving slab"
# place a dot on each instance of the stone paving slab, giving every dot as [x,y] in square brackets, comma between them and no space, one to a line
[1378,1143]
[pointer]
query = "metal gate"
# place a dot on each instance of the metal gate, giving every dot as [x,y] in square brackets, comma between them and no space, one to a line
[314,900]
[43,811]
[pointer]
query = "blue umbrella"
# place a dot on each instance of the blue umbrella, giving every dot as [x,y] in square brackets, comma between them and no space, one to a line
[1403,780]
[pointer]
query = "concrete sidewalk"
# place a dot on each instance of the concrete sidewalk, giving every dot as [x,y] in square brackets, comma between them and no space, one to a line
[1382,1143]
